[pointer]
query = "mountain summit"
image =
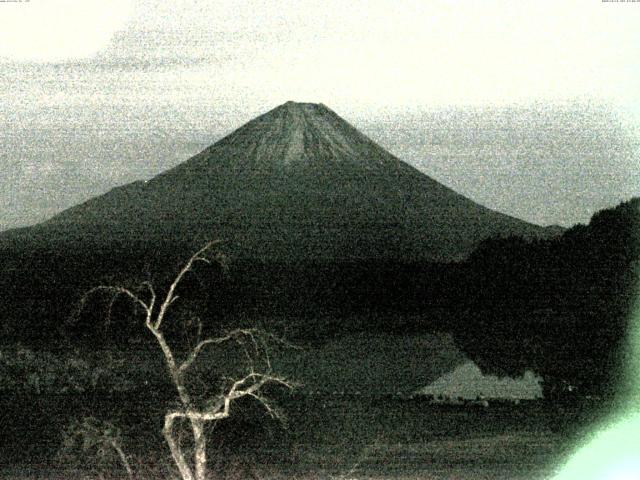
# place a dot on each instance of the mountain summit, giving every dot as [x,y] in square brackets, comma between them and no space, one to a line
[299,135]
[296,183]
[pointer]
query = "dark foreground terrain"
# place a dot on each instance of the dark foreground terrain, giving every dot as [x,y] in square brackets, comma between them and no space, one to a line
[324,437]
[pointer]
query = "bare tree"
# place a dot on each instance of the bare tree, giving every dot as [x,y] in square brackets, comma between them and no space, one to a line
[96,438]
[258,373]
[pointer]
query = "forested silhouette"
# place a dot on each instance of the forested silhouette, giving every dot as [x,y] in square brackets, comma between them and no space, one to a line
[560,307]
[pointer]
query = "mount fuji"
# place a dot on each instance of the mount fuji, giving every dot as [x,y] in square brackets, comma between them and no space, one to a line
[294,184]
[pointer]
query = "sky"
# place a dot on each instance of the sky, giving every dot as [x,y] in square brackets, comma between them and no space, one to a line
[531,108]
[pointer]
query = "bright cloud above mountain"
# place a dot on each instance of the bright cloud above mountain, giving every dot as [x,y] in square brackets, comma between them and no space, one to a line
[59,30]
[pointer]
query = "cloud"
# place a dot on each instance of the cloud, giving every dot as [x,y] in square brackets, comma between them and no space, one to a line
[59,30]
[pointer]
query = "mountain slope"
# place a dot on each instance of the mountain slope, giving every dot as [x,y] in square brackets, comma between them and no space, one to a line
[295,183]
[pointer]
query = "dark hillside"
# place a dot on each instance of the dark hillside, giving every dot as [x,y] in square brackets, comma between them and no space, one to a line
[562,307]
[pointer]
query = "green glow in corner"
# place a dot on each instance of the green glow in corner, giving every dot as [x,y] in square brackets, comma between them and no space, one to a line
[613,452]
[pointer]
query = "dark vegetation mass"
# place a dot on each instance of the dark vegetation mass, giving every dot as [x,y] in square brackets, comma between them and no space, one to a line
[558,306]
[562,307]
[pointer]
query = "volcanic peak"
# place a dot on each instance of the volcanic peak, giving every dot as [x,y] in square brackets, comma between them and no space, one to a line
[291,105]
[299,135]
[297,182]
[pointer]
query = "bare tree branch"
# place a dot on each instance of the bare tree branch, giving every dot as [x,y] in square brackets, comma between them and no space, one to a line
[152,291]
[254,344]
[221,409]
[271,409]
[116,292]
[233,335]
[119,291]
[170,298]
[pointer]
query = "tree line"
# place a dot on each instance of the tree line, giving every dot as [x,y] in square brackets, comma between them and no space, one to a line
[558,306]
